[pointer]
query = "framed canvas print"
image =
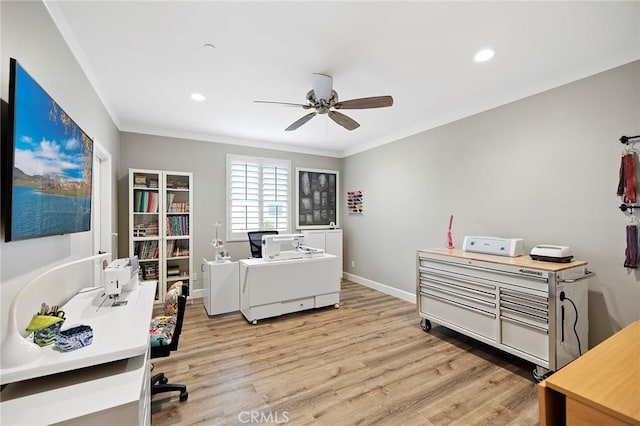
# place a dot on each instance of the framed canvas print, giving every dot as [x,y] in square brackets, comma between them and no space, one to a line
[317,203]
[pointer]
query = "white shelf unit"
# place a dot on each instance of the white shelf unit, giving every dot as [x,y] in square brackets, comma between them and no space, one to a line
[161,226]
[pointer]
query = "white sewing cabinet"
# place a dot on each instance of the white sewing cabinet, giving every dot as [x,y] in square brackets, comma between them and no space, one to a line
[272,288]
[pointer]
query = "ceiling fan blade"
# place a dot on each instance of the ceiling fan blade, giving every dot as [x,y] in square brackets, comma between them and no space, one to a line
[364,103]
[284,103]
[346,122]
[301,121]
[322,85]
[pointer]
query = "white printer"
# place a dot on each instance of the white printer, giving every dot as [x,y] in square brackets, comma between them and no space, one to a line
[511,247]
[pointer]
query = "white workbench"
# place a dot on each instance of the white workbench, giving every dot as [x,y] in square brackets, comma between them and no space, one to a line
[272,288]
[106,382]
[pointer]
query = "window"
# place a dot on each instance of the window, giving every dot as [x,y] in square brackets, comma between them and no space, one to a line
[257,195]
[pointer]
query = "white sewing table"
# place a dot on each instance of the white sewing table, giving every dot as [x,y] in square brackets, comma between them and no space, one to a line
[272,288]
[104,383]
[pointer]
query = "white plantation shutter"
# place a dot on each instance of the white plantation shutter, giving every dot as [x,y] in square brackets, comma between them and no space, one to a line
[258,195]
[275,198]
[245,197]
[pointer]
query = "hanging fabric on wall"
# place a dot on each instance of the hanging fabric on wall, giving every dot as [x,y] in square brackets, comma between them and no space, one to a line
[631,252]
[621,179]
[626,182]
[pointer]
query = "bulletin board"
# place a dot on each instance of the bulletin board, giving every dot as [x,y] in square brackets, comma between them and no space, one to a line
[317,203]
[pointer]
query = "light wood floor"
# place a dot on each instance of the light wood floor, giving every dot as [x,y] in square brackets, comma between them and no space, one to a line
[367,363]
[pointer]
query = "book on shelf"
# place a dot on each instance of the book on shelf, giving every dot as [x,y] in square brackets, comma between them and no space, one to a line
[145,202]
[146,250]
[173,270]
[177,184]
[179,208]
[170,197]
[178,226]
[145,230]
[140,180]
[174,249]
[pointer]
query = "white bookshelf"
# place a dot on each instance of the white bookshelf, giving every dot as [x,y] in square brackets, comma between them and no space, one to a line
[161,226]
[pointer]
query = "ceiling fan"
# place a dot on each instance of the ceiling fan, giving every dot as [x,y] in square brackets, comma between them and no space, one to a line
[324,100]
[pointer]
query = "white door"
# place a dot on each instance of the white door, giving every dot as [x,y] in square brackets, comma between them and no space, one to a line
[101,211]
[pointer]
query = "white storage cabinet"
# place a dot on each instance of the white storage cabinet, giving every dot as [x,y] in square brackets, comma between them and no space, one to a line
[221,286]
[329,240]
[510,303]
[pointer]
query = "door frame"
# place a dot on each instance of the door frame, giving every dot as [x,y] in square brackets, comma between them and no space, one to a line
[102,211]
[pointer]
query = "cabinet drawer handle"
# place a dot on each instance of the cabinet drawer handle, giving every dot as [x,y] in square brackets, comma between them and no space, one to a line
[451,302]
[468,287]
[525,302]
[455,276]
[524,296]
[461,296]
[524,324]
[524,310]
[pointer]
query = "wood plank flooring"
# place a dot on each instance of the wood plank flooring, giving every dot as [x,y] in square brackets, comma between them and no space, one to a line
[366,363]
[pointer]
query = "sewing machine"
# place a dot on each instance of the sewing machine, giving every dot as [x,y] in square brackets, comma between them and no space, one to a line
[120,276]
[287,247]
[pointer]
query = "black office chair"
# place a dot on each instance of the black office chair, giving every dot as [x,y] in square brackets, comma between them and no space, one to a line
[255,241]
[165,334]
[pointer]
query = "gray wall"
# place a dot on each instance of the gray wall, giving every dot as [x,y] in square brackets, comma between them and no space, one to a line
[29,35]
[544,169]
[207,162]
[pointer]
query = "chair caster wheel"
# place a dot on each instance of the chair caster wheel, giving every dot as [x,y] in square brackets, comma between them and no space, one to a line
[184,396]
[164,380]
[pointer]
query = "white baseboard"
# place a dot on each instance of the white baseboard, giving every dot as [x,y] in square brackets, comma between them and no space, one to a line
[197,293]
[391,291]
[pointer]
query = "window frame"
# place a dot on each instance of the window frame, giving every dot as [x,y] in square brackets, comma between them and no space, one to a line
[262,162]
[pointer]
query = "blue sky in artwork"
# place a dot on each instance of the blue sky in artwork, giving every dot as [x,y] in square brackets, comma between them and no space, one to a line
[42,146]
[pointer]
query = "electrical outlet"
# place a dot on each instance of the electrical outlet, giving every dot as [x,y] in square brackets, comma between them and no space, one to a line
[353,263]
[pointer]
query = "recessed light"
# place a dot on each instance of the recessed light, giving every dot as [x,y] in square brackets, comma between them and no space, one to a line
[197,97]
[484,55]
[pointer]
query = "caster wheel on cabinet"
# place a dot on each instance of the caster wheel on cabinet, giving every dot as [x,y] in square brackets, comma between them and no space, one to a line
[539,377]
[254,322]
[425,324]
[337,305]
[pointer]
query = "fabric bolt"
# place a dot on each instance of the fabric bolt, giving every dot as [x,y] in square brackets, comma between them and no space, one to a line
[621,179]
[631,252]
[629,171]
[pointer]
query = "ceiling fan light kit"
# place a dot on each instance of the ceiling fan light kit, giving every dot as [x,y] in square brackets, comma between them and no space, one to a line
[324,100]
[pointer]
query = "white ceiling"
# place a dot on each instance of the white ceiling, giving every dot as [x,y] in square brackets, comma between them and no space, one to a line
[145,58]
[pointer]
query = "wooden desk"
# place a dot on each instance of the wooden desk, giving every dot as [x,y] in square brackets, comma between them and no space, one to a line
[600,388]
